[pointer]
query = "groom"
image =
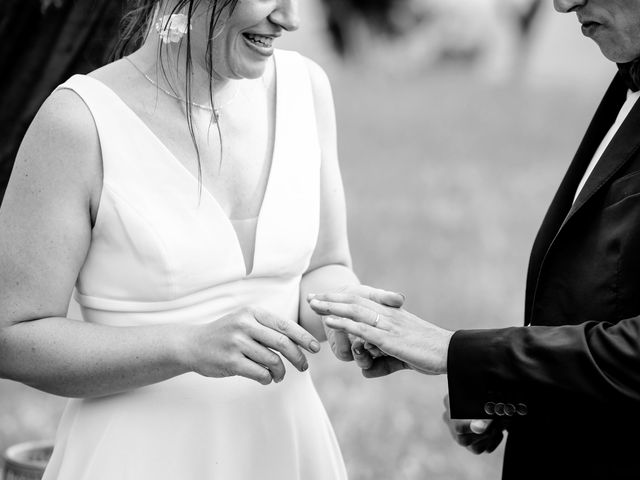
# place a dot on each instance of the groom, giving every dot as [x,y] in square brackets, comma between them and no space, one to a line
[566,386]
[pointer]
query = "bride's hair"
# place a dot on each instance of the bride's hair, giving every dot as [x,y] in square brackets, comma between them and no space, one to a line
[137,23]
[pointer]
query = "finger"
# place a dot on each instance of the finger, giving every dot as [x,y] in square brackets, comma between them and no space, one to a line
[353,308]
[494,441]
[460,427]
[479,426]
[476,442]
[357,344]
[267,358]
[373,350]
[357,301]
[384,366]
[291,329]
[340,344]
[251,370]
[281,343]
[364,361]
[363,357]
[478,448]
[366,332]
[383,297]
[487,443]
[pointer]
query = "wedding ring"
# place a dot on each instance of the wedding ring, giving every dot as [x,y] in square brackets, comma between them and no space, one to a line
[375,322]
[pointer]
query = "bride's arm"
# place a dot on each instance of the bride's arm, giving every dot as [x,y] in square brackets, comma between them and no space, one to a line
[330,265]
[45,230]
[330,268]
[45,233]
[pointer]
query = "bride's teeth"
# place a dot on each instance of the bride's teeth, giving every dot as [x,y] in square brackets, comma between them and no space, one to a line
[260,40]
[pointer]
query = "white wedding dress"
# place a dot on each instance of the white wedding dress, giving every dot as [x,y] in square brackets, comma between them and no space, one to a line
[161,254]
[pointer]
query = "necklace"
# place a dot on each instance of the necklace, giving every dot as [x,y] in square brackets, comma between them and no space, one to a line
[216,111]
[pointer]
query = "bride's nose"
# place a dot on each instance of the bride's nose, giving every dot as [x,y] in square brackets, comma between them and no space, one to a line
[286,15]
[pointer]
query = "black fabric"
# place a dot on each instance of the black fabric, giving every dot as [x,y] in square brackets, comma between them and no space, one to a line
[39,50]
[576,367]
[630,73]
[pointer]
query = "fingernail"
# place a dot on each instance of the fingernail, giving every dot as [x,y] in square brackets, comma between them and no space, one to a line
[404,297]
[314,346]
[311,296]
[358,351]
[305,367]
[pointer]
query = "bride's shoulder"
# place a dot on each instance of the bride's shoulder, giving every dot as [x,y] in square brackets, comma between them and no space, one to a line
[317,74]
[120,77]
[322,93]
[66,111]
[320,83]
[61,146]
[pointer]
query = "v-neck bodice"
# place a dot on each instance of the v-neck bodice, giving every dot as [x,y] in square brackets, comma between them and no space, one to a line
[160,242]
[168,156]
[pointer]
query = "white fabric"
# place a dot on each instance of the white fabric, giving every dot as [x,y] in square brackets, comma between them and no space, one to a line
[160,254]
[632,97]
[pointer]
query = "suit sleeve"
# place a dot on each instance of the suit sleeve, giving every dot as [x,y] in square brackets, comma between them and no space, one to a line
[540,370]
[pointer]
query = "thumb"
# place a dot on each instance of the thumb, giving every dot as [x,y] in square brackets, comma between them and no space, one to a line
[479,426]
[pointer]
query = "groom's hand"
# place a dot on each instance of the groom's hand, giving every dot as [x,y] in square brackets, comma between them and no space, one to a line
[477,436]
[348,347]
[382,365]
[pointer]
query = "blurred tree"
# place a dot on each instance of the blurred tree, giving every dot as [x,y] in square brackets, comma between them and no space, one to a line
[344,15]
[395,17]
[42,43]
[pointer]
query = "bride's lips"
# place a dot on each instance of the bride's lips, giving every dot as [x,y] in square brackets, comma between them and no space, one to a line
[259,43]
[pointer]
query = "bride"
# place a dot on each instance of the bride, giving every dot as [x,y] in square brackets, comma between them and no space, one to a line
[188,195]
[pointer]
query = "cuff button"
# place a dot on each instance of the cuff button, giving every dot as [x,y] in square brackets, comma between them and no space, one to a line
[522,409]
[490,408]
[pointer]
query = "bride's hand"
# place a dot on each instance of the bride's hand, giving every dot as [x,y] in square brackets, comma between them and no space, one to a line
[245,343]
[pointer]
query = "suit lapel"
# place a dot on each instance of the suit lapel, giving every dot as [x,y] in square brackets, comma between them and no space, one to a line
[622,146]
[561,205]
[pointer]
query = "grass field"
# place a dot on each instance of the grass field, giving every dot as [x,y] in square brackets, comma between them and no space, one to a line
[447,180]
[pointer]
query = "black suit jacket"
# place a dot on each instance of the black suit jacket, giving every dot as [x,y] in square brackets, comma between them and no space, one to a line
[567,385]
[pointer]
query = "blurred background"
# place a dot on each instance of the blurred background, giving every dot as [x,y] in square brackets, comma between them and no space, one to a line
[457,120]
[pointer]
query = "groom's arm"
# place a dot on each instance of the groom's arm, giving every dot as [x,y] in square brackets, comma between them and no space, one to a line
[538,370]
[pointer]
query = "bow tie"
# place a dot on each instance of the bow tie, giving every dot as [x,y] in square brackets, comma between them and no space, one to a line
[630,73]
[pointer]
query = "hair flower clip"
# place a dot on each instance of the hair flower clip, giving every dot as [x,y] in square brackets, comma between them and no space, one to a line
[172,28]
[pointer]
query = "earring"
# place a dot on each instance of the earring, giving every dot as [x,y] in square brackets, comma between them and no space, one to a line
[172,28]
